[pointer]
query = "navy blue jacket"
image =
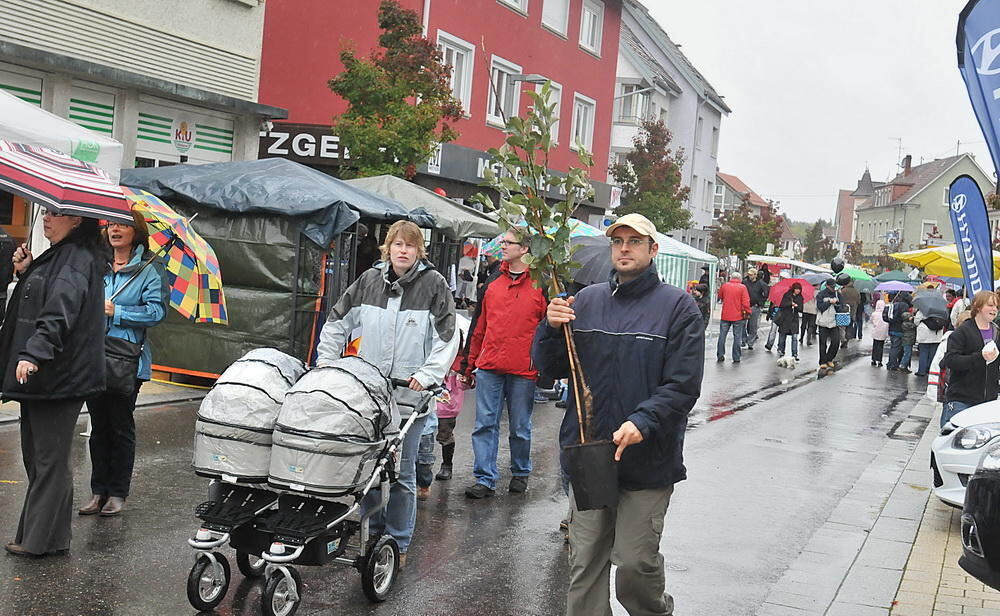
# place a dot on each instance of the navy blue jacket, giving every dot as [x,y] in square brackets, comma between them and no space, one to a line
[642,348]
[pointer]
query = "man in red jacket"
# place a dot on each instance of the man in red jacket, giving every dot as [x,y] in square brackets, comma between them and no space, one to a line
[500,351]
[735,309]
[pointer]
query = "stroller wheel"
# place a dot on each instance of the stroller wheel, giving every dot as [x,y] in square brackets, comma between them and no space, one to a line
[380,569]
[250,565]
[208,582]
[282,593]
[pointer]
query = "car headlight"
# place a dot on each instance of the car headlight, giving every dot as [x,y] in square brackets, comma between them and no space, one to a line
[975,437]
[991,459]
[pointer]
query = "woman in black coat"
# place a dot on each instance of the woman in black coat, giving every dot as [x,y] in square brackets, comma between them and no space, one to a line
[972,362]
[788,319]
[52,358]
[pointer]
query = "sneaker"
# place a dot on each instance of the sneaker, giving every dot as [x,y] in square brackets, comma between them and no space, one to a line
[720,359]
[423,493]
[564,525]
[518,485]
[540,398]
[402,560]
[736,361]
[561,404]
[444,474]
[767,347]
[478,490]
[795,357]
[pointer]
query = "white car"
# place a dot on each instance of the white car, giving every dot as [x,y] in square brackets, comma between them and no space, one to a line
[956,453]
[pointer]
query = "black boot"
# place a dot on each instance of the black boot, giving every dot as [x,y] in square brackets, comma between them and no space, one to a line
[447,453]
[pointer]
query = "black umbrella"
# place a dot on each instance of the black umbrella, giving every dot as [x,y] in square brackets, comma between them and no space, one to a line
[816,279]
[594,257]
[931,304]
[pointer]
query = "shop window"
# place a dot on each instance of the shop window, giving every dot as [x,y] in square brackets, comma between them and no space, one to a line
[521,6]
[504,92]
[634,105]
[460,56]
[592,25]
[583,122]
[6,208]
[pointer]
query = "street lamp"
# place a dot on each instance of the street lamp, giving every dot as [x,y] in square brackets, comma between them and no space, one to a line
[642,91]
[529,78]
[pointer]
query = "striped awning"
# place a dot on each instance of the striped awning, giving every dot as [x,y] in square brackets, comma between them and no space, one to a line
[61,183]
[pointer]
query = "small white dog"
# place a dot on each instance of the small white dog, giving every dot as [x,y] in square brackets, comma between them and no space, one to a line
[786,362]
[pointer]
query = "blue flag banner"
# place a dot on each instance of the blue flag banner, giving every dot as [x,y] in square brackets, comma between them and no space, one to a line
[978,43]
[970,222]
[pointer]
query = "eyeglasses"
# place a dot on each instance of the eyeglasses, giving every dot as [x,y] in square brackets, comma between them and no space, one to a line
[633,242]
[505,243]
[117,225]
[52,214]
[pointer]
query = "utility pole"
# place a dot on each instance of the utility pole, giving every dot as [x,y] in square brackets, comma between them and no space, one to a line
[899,151]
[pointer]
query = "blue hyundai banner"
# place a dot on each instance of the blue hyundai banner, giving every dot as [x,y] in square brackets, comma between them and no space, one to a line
[970,222]
[978,43]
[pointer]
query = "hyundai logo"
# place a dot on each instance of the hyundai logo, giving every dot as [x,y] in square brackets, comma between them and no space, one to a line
[988,56]
[958,203]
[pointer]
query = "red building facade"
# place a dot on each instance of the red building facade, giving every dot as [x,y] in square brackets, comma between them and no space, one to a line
[573,43]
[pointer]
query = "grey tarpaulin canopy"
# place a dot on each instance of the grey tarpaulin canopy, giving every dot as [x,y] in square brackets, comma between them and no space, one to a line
[454,220]
[323,205]
[255,215]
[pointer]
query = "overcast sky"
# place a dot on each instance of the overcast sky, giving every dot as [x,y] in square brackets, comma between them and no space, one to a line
[819,89]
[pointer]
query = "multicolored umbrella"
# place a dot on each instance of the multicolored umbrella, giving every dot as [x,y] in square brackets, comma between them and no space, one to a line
[578,228]
[61,183]
[192,267]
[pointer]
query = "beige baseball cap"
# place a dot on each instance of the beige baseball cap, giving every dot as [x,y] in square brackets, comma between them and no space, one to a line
[636,221]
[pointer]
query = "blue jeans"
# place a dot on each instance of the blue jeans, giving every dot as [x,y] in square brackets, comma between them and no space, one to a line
[951,409]
[425,453]
[492,389]
[904,361]
[927,351]
[400,514]
[724,327]
[781,344]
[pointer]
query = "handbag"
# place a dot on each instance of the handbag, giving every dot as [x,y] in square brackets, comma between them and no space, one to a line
[843,315]
[121,360]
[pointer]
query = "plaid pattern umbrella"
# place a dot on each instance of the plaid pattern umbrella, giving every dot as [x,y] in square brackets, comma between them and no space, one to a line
[577,229]
[61,183]
[192,267]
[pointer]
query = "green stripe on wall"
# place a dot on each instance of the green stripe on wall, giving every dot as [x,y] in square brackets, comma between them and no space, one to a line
[89,119]
[155,117]
[154,132]
[91,112]
[37,93]
[154,125]
[154,139]
[98,129]
[80,101]
[214,129]
[202,147]
[33,101]
[200,139]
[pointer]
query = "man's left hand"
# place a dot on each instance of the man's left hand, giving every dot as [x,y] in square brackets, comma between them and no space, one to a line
[624,436]
[415,385]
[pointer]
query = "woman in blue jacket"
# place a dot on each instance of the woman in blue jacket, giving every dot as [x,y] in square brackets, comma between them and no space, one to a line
[141,305]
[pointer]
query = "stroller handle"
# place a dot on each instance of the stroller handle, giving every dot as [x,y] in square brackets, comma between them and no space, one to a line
[436,390]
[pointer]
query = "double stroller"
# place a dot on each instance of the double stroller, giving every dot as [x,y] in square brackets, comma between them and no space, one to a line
[290,454]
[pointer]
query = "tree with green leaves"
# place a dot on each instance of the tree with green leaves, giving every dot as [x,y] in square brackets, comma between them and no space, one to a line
[524,186]
[741,232]
[650,179]
[819,248]
[384,129]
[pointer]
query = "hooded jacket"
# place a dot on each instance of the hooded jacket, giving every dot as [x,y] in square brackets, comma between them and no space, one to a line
[141,305]
[55,320]
[735,301]
[504,325]
[758,291]
[407,327]
[642,348]
[970,380]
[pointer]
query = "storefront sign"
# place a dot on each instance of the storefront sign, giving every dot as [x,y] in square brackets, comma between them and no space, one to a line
[183,134]
[308,144]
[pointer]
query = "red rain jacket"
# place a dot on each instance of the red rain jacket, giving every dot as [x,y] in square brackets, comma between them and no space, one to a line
[735,301]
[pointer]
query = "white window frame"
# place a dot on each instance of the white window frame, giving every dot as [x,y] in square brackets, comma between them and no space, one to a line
[924,232]
[595,8]
[457,45]
[521,6]
[557,91]
[707,198]
[507,67]
[715,142]
[947,195]
[588,144]
[698,130]
[560,29]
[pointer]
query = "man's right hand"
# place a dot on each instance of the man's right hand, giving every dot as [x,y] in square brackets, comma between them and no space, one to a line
[560,312]
[22,259]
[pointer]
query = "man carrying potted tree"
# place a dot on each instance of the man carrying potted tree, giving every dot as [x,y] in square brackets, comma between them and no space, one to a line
[640,344]
[500,351]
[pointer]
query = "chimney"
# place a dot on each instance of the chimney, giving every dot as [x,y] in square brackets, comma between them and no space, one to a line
[906,164]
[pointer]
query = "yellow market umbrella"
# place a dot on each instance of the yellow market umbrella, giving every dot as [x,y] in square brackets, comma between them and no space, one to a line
[940,260]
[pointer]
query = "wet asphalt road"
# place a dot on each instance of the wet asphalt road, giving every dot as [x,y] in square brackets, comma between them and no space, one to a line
[770,454]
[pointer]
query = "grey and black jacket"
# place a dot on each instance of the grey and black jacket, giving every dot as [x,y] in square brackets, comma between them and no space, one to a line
[642,348]
[406,326]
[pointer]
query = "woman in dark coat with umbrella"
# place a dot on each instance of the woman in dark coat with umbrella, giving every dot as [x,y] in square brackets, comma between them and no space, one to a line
[788,319]
[52,358]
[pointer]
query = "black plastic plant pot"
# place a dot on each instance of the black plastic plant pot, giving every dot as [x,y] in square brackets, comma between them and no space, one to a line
[593,473]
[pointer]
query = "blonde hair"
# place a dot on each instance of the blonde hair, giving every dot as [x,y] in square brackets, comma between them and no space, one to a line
[980,301]
[409,233]
[963,316]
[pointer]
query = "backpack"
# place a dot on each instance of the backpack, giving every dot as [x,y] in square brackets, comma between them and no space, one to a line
[935,324]
[887,312]
[942,388]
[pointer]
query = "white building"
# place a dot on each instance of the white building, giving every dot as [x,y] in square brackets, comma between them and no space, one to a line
[678,94]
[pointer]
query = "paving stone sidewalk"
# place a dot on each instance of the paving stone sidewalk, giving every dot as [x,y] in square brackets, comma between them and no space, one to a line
[152,393]
[890,548]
